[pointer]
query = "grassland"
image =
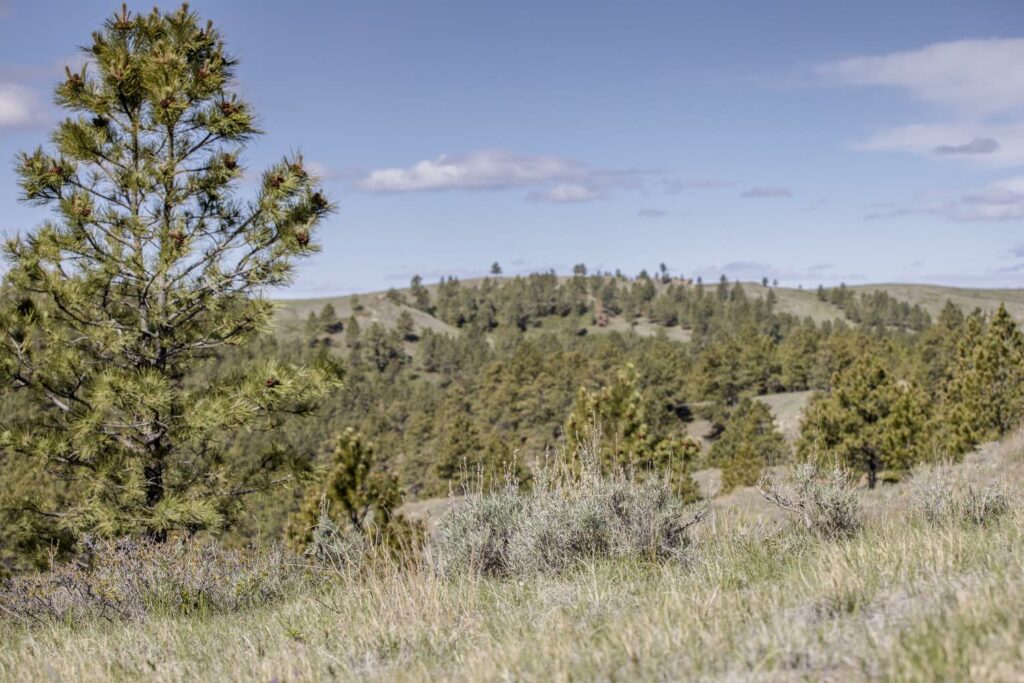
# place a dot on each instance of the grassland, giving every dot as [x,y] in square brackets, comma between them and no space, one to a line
[905,599]
[800,302]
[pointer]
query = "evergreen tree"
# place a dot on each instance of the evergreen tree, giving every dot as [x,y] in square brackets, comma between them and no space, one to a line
[495,268]
[985,397]
[150,266]
[420,295]
[329,322]
[621,414]
[869,421]
[797,357]
[748,444]
[359,491]
[405,326]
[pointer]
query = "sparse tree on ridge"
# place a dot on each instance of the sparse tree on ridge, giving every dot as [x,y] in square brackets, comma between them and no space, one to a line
[149,266]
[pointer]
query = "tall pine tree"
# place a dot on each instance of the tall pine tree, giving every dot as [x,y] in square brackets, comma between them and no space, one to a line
[149,266]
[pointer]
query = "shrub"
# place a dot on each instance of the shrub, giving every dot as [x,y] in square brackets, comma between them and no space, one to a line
[132,579]
[572,514]
[824,502]
[942,494]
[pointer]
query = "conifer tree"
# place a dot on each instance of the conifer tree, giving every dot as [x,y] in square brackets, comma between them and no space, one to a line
[749,442]
[150,265]
[360,493]
[420,295]
[869,421]
[628,439]
[405,326]
[329,321]
[985,396]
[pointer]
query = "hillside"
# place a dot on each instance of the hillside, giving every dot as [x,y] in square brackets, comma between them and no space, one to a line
[755,599]
[799,302]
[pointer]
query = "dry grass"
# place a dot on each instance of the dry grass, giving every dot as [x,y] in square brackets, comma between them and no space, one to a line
[903,599]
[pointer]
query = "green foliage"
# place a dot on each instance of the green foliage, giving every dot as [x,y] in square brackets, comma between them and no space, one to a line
[621,413]
[405,327]
[869,420]
[362,494]
[149,266]
[985,395]
[748,444]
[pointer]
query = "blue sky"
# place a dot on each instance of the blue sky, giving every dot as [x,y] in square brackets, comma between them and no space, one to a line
[813,142]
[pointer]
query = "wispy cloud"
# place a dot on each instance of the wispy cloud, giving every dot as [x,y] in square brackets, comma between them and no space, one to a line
[975,146]
[946,140]
[976,77]
[1002,200]
[567,193]
[651,213]
[766,192]
[677,186]
[19,106]
[551,178]
[977,84]
[753,271]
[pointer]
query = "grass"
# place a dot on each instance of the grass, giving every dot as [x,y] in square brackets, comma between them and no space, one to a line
[799,302]
[906,598]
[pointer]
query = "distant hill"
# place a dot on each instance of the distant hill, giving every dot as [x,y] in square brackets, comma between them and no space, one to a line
[375,306]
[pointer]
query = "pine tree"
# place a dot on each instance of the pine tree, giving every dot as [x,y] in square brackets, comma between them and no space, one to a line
[359,492]
[495,268]
[149,266]
[621,414]
[329,322]
[748,444]
[869,421]
[405,326]
[420,295]
[985,396]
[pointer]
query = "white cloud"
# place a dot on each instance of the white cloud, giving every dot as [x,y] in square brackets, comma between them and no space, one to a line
[676,186]
[976,77]
[652,213]
[1002,200]
[565,193]
[483,169]
[931,139]
[19,106]
[766,193]
[551,178]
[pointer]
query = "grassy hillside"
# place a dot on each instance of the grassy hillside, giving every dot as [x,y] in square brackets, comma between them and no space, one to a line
[799,302]
[756,599]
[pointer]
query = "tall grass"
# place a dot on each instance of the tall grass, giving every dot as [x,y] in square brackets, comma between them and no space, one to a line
[903,598]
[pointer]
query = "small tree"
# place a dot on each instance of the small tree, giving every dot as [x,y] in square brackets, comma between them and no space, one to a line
[329,321]
[619,412]
[405,326]
[361,495]
[149,267]
[495,268]
[748,444]
[985,397]
[869,421]
[420,295]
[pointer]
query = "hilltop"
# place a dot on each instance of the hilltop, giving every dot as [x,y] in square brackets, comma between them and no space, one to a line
[802,303]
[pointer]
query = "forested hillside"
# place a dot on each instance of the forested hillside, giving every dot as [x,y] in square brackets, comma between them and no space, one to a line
[451,378]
